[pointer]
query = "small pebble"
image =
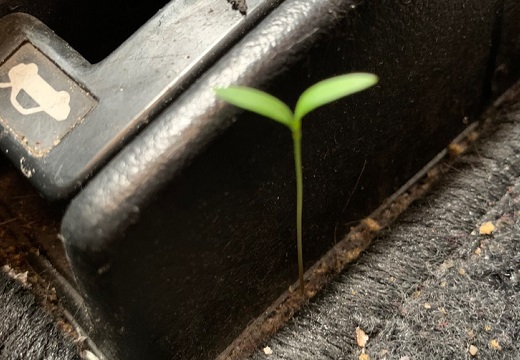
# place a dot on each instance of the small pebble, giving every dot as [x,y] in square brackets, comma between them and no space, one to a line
[473,350]
[361,337]
[268,350]
[364,356]
[487,228]
[495,345]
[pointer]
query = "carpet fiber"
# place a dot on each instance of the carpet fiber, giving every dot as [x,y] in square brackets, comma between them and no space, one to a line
[27,332]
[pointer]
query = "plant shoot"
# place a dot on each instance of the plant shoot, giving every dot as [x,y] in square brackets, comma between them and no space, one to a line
[317,95]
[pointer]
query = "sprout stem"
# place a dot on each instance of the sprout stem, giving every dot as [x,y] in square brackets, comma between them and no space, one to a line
[297,145]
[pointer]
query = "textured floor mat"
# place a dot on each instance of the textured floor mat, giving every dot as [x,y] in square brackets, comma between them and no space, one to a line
[27,331]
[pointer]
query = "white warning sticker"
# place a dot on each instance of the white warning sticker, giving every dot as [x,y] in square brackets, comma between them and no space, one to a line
[39,103]
[25,77]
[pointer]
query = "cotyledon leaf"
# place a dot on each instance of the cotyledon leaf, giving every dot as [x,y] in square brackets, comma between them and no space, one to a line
[257,101]
[332,89]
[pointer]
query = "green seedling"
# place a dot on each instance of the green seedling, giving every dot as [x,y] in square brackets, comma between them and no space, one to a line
[319,94]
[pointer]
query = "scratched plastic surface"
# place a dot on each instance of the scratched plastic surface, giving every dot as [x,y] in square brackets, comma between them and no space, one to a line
[134,83]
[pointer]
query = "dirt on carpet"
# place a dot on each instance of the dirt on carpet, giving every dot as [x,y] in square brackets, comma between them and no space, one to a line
[28,230]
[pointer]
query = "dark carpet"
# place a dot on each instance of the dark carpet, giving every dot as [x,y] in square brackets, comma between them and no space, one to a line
[27,331]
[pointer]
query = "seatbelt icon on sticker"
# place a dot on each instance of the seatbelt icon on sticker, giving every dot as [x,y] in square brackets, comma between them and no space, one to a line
[25,77]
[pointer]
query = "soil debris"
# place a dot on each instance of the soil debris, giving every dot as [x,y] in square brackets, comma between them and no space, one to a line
[371,224]
[495,345]
[18,276]
[487,228]
[268,350]
[364,356]
[455,150]
[473,350]
[361,337]
[239,5]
